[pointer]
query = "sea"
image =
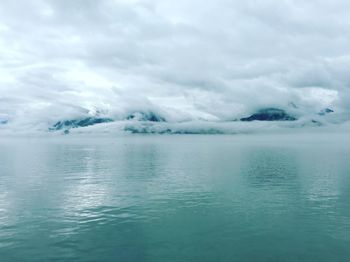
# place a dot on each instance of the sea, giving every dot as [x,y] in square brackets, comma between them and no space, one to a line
[268,197]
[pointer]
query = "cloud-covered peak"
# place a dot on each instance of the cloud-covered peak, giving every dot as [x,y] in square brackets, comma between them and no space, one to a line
[221,60]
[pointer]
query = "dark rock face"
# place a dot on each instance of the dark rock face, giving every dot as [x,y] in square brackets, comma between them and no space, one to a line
[145,116]
[325,111]
[270,114]
[150,130]
[89,121]
[316,123]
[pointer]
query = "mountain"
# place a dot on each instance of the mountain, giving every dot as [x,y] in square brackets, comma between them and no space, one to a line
[75,123]
[145,116]
[325,111]
[270,114]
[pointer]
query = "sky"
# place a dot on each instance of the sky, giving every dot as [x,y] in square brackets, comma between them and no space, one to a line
[187,59]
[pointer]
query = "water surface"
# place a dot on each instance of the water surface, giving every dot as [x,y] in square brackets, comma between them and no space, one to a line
[175,198]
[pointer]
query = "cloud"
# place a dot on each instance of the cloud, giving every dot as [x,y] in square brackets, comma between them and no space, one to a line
[217,61]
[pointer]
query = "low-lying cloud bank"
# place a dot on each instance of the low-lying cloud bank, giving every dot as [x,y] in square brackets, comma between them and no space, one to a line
[154,122]
[168,66]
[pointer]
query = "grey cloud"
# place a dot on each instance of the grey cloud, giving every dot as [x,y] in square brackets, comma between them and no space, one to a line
[221,59]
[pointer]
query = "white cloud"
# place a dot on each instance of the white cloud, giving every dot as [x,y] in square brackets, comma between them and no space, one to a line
[218,60]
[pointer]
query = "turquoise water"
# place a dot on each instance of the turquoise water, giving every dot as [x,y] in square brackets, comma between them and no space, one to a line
[175,198]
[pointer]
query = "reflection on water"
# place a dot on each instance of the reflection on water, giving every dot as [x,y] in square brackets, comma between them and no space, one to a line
[174,198]
[271,166]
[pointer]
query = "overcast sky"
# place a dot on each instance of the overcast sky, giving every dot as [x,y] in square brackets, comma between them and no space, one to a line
[216,59]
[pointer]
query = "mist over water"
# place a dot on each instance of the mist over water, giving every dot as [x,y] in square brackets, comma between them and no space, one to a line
[175,198]
[162,130]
